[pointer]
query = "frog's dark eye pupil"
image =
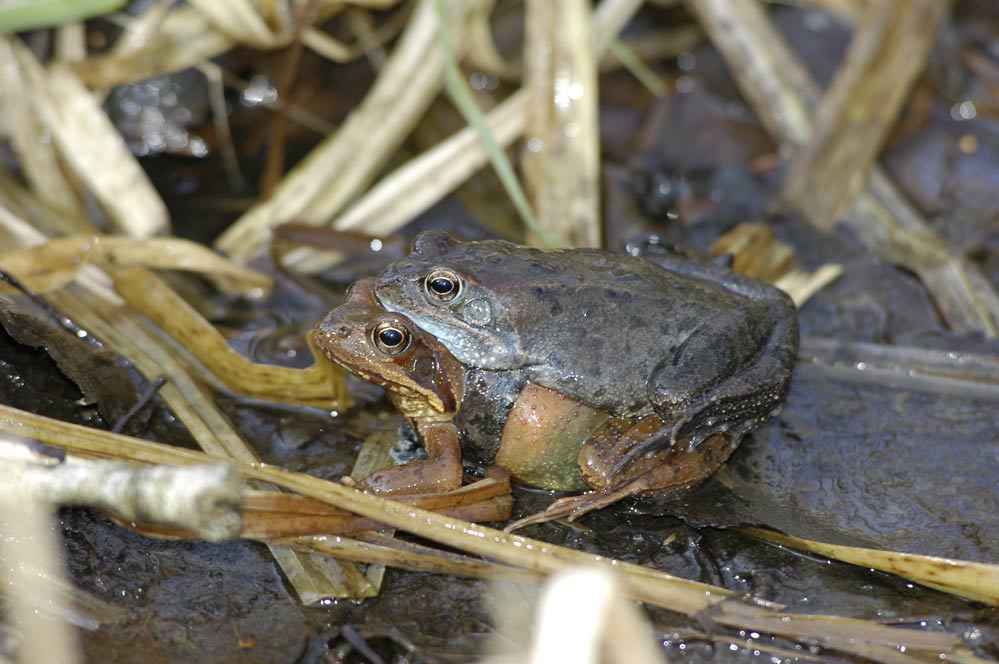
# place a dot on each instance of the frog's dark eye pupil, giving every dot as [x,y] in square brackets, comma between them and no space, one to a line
[390,337]
[442,285]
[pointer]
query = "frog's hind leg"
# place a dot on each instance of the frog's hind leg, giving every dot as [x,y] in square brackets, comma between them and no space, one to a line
[727,383]
[668,472]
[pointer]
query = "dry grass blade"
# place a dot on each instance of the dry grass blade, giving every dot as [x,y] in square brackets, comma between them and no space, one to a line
[969,375]
[161,40]
[408,556]
[320,385]
[871,640]
[36,155]
[242,22]
[271,526]
[98,311]
[512,549]
[562,157]
[345,162]
[396,199]
[53,264]
[850,11]
[971,580]
[889,49]
[269,515]
[801,286]
[313,580]
[781,91]
[91,146]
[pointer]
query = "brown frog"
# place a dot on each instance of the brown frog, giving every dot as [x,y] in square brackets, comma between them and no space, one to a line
[539,436]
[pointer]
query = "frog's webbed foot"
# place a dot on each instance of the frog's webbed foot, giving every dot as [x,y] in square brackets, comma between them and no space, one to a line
[668,473]
[573,507]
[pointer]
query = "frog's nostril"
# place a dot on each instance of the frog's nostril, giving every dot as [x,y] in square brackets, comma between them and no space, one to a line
[343,331]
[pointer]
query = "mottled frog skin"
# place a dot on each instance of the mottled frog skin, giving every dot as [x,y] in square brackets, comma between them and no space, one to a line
[705,349]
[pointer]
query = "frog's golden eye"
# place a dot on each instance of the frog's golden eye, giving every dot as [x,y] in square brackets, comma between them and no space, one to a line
[442,285]
[390,338]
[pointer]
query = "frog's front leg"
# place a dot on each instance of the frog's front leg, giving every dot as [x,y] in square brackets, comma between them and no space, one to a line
[441,472]
[729,376]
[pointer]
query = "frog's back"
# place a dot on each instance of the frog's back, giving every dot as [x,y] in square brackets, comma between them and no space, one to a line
[593,324]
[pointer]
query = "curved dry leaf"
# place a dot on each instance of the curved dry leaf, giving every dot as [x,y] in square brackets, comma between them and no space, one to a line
[482,51]
[320,385]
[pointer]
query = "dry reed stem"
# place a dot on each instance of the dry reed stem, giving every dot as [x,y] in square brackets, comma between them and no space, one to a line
[204,500]
[775,82]
[889,49]
[51,265]
[33,578]
[37,156]
[395,199]
[167,38]
[312,578]
[419,183]
[431,561]
[161,40]
[482,51]
[561,159]
[975,581]
[584,617]
[867,639]
[344,163]
[439,171]
[91,147]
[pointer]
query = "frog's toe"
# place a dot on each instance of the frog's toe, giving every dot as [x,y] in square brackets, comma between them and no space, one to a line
[648,447]
[699,436]
[560,509]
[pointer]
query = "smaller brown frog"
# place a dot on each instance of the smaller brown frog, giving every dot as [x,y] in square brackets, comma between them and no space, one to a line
[540,437]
